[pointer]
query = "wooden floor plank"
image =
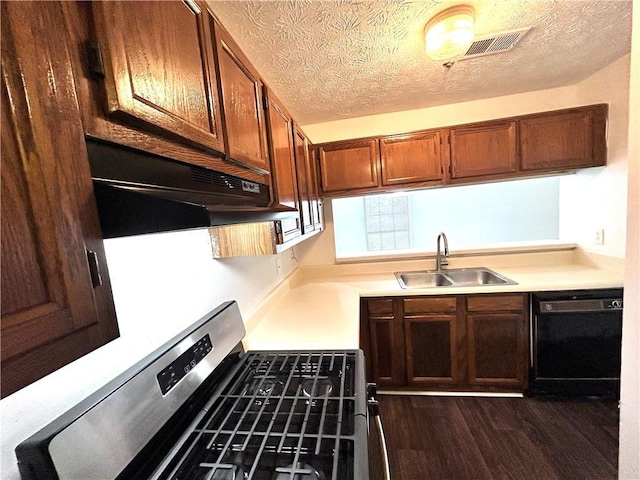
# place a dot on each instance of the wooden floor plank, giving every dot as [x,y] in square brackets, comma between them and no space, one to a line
[499,438]
[498,430]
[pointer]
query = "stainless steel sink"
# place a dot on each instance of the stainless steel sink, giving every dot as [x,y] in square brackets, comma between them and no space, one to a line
[422,279]
[477,276]
[457,277]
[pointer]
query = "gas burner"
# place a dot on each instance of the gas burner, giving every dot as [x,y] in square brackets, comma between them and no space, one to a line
[265,387]
[301,471]
[319,387]
[227,472]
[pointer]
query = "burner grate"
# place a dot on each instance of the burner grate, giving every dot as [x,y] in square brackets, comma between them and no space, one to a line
[282,416]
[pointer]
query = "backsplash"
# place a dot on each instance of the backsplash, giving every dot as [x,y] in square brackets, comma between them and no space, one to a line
[161,284]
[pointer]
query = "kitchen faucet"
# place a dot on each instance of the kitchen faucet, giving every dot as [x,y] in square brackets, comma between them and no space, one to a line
[441,258]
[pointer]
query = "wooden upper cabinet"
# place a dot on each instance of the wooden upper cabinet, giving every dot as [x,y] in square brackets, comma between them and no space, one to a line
[157,69]
[283,167]
[483,150]
[316,203]
[56,296]
[350,165]
[411,158]
[241,90]
[564,140]
[308,194]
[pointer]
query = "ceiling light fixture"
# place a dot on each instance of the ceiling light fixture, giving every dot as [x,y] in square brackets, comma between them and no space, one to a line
[449,33]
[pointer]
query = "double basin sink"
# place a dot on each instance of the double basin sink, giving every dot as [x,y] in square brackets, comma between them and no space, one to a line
[455,277]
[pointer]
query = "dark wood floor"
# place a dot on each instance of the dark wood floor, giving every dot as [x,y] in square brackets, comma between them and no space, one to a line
[499,438]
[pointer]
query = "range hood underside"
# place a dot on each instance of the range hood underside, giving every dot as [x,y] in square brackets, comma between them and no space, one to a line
[125,211]
[138,193]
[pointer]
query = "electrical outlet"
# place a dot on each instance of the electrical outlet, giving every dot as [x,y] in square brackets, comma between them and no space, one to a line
[598,237]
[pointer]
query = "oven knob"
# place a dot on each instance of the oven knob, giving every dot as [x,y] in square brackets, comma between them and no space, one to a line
[616,304]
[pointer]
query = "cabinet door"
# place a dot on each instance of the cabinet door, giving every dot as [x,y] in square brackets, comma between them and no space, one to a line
[564,140]
[305,180]
[56,297]
[432,356]
[351,165]
[385,349]
[316,202]
[411,158]
[157,69]
[241,90]
[431,339]
[483,150]
[497,340]
[285,186]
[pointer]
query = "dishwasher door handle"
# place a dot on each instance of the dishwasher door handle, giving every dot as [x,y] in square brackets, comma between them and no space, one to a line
[373,408]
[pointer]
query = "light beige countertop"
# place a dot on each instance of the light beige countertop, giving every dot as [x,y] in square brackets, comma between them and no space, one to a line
[318,307]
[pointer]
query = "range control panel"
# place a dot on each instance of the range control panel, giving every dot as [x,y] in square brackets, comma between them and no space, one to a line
[182,365]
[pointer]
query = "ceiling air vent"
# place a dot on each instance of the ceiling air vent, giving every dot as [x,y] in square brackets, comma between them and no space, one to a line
[496,43]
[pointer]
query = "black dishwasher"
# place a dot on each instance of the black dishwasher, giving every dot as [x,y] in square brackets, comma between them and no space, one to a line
[576,343]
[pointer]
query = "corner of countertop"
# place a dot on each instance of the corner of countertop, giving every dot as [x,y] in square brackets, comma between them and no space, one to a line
[255,315]
[596,260]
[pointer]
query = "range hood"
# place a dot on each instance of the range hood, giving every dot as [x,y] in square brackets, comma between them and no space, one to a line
[138,192]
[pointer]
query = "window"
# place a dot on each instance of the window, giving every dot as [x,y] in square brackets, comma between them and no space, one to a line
[387,222]
[472,216]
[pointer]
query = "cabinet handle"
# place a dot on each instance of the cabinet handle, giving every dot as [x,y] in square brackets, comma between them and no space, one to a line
[195,8]
[94,59]
[94,268]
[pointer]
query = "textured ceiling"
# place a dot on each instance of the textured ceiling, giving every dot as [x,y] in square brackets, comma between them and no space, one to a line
[329,60]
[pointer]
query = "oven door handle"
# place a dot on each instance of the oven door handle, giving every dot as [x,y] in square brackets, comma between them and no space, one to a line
[373,408]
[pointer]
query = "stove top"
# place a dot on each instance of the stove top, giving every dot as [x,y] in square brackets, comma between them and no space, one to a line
[201,408]
[283,416]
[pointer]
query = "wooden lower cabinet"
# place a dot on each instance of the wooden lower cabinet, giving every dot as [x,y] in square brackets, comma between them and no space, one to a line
[383,335]
[449,342]
[496,340]
[431,339]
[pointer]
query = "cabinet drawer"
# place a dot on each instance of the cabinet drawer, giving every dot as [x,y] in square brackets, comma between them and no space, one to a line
[493,303]
[430,305]
[380,305]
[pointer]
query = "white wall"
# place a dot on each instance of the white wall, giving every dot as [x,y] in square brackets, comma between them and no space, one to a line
[161,284]
[595,198]
[629,461]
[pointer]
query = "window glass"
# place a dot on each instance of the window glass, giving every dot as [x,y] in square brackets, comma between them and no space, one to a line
[472,216]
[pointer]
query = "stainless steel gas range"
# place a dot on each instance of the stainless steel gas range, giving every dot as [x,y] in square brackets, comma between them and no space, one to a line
[202,408]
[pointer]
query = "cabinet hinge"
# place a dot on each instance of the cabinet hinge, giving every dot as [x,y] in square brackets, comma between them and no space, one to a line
[278,227]
[94,59]
[265,102]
